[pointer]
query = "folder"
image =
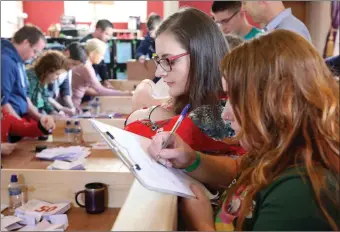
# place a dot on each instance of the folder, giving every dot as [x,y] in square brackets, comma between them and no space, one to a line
[132,150]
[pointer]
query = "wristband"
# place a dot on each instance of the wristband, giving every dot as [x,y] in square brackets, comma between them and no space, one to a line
[195,164]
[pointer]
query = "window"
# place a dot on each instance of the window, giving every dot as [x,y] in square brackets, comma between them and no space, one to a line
[118,11]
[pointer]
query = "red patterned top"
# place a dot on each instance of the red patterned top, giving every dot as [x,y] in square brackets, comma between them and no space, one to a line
[199,130]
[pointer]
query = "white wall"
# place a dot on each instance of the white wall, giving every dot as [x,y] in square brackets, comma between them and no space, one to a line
[170,7]
[11,21]
[318,22]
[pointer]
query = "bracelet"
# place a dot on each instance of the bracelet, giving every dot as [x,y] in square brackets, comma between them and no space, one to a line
[195,164]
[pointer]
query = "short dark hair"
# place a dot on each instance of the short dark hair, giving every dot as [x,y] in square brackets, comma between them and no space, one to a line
[30,32]
[219,6]
[153,19]
[77,52]
[103,24]
[49,62]
[204,41]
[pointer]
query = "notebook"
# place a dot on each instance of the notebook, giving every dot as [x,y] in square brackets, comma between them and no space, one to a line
[132,150]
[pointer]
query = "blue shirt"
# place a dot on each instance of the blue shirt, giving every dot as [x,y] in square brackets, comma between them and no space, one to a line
[14,83]
[61,87]
[286,20]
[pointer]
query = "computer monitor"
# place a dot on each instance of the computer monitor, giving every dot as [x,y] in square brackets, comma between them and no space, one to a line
[124,51]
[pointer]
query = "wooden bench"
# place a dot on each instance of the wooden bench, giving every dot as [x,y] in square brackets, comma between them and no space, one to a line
[138,209]
[124,85]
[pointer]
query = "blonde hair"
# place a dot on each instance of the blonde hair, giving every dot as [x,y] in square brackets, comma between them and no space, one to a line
[287,104]
[95,45]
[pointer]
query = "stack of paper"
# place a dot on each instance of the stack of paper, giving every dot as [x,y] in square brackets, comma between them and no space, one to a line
[45,225]
[37,215]
[9,223]
[72,153]
[64,165]
[88,114]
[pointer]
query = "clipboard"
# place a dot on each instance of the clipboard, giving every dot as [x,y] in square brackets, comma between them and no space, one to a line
[131,149]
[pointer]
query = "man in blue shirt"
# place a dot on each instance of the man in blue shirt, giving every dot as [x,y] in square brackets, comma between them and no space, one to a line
[26,44]
[272,15]
[147,47]
[232,19]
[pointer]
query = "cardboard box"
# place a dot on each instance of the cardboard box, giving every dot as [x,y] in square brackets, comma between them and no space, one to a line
[138,71]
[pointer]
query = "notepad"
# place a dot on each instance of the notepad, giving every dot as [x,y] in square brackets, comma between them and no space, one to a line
[72,153]
[131,148]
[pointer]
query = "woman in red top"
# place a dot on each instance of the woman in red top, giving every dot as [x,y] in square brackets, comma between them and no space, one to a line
[11,126]
[190,47]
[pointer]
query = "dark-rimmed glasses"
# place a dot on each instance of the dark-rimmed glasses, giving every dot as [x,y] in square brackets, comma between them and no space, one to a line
[165,63]
[226,21]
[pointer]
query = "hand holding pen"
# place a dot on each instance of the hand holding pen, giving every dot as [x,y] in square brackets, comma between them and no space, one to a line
[178,154]
[166,142]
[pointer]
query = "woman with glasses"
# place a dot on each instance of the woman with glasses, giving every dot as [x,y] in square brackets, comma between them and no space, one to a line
[285,110]
[189,47]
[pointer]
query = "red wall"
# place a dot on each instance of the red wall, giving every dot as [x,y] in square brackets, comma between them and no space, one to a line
[42,13]
[45,13]
[201,5]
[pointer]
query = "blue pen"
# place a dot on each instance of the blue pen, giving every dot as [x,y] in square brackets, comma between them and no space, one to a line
[177,124]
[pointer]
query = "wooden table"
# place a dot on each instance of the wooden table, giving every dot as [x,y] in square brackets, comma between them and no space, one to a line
[79,220]
[23,157]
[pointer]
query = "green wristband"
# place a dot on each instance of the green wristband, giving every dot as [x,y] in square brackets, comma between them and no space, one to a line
[195,164]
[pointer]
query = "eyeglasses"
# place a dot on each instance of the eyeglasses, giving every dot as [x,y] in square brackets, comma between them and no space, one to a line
[165,63]
[226,21]
[35,51]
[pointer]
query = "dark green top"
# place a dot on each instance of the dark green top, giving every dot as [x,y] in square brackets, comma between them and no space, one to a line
[287,204]
[38,93]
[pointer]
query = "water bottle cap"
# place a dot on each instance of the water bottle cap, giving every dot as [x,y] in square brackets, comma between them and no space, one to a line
[14,178]
[76,123]
[97,98]
[68,122]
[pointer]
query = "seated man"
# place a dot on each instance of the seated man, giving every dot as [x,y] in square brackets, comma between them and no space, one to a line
[103,32]
[231,19]
[26,43]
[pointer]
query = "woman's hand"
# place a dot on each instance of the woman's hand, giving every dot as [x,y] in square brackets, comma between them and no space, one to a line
[178,154]
[141,59]
[197,213]
[69,111]
[47,122]
[7,148]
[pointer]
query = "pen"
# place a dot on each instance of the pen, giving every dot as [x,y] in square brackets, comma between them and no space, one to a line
[177,124]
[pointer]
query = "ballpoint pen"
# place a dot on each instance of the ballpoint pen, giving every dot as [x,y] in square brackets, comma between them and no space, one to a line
[177,124]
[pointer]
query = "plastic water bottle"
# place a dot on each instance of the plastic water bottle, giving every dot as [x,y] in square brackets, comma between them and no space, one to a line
[77,133]
[68,131]
[15,194]
[95,107]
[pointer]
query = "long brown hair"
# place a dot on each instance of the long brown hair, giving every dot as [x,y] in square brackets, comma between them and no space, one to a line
[287,104]
[200,36]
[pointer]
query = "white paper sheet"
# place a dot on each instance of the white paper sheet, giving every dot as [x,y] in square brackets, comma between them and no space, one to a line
[152,175]
[8,221]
